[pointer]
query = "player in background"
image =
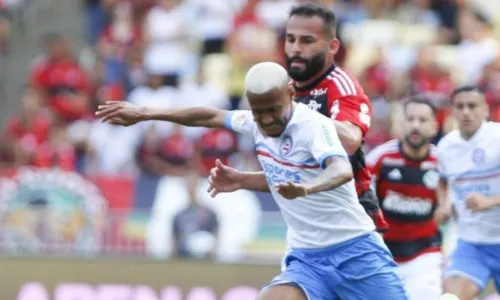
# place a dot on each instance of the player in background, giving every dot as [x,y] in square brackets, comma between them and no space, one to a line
[310,49]
[469,165]
[335,252]
[405,179]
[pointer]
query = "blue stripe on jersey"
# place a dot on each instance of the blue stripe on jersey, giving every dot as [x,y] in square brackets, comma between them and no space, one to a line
[228,120]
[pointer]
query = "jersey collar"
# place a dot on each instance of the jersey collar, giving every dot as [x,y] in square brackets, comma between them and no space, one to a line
[315,82]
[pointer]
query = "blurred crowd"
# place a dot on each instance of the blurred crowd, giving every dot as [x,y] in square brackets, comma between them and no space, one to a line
[178,53]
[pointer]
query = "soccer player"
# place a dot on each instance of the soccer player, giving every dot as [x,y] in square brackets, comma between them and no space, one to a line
[469,165]
[405,180]
[310,48]
[334,249]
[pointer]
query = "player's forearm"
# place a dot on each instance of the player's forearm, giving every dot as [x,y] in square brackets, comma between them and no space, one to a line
[495,200]
[193,116]
[254,181]
[442,193]
[338,172]
[350,135]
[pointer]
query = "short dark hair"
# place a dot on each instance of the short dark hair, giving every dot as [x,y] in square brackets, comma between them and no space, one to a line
[466,89]
[420,99]
[317,10]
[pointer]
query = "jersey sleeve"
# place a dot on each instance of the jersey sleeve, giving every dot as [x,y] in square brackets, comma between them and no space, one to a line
[325,142]
[353,108]
[240,121]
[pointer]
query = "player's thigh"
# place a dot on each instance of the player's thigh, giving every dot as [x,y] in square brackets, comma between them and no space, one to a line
[461,287]
[370,274]
[282,292]
[466,274]
[422,276]
[300,275]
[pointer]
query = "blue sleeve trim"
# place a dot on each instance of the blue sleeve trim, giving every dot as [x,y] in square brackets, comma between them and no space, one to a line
[325,156]
[228,121]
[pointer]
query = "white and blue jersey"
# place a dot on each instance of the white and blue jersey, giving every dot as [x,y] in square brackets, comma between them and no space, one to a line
[334,251]
[473,166]
[298,155]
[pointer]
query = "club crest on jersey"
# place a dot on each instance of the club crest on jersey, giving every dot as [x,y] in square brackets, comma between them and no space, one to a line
[431,179]
[478,156]
[286,145]
[313,105]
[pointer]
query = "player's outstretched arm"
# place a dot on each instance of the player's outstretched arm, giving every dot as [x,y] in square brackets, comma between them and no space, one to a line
[126,114]
[224,179]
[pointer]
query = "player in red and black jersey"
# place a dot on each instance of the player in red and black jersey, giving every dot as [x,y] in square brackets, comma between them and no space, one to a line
[405,180]
[310,48]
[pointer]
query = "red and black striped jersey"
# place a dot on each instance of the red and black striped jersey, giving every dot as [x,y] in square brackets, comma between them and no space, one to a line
[339,96]
[406,189]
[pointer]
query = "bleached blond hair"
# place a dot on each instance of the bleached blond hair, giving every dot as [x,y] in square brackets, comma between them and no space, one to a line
[264,77]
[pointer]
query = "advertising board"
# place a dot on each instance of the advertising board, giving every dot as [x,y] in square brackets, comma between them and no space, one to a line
[113,279]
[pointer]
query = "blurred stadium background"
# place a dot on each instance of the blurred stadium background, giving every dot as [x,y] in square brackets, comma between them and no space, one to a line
[93,211]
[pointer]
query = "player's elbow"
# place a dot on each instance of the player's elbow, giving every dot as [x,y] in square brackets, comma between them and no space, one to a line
[347,176]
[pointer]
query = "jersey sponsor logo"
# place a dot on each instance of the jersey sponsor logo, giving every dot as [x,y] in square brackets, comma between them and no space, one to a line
[395,175]
[318,92]
[335,110]
[478,156]
[313,105]
[286,145]
[431,179]
[399,203]
[278,174]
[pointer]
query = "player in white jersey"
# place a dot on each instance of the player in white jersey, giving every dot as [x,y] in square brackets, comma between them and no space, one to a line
[469,163]
[335,252]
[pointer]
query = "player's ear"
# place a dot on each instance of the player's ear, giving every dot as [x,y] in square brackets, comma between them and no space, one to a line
[334,46]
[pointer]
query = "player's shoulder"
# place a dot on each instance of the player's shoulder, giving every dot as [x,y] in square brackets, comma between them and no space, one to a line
[449,140]
[382,150]
[493,129]
[342,84]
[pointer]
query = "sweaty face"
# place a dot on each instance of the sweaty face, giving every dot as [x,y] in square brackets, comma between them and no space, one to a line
[470,110]
[271,110]
[419,125]
[306,47]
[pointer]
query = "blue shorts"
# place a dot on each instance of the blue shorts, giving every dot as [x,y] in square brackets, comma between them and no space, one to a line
[359,269]
[476,262]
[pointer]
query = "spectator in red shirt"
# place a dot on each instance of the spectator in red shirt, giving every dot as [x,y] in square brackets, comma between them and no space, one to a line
[30,128]
[62,82]
[57,152]
[121,34]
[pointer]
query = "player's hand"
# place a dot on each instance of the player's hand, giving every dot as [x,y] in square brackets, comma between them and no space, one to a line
[120,113]
[290,190]
[223,179]
[478,202]
[442,214]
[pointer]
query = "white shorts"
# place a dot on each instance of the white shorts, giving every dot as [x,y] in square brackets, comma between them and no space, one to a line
[422,276]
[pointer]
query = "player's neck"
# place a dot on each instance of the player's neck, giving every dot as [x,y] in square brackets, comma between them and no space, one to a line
[415,153]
